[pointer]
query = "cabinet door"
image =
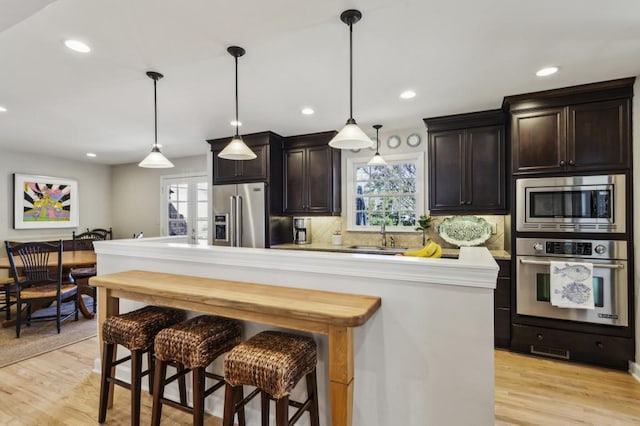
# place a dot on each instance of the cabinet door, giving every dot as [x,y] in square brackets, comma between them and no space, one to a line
[294,191]
[598,135]
[538,140]
[485,172]
[224,171]
[256,169]
[446,166]
[319,179]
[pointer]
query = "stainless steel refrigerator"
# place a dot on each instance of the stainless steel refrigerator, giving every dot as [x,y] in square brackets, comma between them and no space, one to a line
[241,217]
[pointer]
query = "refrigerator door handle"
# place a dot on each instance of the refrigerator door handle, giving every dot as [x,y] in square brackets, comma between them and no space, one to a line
[238,230]
[232,221]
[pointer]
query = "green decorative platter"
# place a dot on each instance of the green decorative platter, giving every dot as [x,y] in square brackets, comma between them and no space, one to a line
[465,230]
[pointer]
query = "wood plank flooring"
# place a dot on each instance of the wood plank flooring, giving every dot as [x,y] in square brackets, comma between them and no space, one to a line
[59,388]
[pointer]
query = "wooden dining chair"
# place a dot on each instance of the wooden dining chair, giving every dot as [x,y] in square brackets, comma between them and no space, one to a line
[39,283]
[8,296]
[79,275]
[106,233]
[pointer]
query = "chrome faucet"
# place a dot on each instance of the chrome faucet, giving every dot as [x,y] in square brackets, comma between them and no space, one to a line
[383,232]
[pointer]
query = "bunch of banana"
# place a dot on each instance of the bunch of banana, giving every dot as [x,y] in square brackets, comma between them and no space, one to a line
[432,249]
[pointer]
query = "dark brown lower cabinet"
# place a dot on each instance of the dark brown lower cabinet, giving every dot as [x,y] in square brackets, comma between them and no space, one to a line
[590,348]
[502,306]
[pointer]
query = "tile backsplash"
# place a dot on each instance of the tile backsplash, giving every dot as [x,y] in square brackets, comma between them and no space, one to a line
[323,227]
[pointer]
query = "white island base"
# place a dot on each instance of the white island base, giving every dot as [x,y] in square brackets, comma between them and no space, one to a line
[424,358]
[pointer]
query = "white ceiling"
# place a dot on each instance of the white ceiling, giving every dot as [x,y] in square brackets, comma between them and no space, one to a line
[459,56]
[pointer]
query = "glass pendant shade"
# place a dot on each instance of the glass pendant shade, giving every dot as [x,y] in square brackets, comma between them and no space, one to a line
[350,137]
[155,160]
[377,160]
[237,150]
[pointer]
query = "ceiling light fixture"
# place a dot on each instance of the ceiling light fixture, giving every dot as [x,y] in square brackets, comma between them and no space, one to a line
[91,154]
[351,136]
[307,111]
[155,159]
[377,159]
[3,109]
[237,149]
[77,46]
[408,94]
[547,71]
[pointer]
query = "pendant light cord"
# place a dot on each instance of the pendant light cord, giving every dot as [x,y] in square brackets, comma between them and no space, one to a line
[351,71]
[377,142]
[237,122]
[155,113]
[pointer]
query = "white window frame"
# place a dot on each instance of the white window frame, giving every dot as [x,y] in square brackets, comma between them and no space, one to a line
[353,162]
[187,178]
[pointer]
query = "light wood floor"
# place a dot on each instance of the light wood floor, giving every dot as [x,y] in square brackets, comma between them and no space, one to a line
[59,388]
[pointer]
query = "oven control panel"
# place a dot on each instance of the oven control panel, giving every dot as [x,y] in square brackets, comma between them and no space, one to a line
[595,249]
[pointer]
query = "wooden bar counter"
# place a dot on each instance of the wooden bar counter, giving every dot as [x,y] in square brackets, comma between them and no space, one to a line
[322,312]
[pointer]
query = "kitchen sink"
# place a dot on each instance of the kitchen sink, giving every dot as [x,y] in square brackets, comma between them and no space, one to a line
[378,249]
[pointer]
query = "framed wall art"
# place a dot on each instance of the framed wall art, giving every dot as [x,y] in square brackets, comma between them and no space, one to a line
[44,202]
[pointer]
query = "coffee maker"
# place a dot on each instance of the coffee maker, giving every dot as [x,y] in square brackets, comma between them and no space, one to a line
[301,230]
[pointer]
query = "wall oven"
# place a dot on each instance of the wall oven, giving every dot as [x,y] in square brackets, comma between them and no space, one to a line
[610,278]
[571,204]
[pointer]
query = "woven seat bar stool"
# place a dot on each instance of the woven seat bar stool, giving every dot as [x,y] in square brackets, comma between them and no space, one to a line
[194,343]
[274,362]
[135,331]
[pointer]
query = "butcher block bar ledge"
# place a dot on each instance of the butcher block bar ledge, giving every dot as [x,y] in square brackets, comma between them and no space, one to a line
[400,340]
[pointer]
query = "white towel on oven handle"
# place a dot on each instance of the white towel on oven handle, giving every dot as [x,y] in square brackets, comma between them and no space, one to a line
[571,285]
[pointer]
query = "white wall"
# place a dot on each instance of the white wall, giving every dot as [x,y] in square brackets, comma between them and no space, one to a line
[94,189]
[136,194]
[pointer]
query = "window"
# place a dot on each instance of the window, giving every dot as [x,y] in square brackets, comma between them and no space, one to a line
[392,194]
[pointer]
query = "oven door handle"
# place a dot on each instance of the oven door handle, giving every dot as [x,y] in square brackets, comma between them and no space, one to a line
[595,265]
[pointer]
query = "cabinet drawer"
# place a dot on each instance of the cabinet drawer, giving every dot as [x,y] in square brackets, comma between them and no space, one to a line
[590,348]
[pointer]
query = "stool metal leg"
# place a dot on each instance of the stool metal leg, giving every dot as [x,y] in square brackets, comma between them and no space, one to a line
[107,360]
[158,392]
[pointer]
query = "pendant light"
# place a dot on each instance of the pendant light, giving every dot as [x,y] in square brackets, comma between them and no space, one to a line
[377,159]
[155,159]
[351,136]
[237,149]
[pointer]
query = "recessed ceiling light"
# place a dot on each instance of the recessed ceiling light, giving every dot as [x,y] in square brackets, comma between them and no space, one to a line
[235,123]
[91,154]
[408,94]
[308,111]
[2,109]
[547,71]
[77,46]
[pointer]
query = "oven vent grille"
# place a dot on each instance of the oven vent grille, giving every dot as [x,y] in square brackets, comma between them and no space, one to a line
[552,352]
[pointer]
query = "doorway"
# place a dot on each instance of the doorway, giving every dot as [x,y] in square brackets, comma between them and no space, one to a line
[185,202]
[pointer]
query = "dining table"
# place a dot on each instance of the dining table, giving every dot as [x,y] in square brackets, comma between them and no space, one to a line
[70,259]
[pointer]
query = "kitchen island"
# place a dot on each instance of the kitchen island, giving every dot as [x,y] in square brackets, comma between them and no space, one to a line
[425,357]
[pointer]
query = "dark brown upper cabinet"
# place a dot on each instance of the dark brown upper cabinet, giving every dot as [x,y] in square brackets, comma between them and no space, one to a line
[575,129]
[311,175]
[266,167]
[466,159]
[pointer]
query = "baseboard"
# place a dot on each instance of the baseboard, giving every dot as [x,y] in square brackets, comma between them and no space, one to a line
[634,369]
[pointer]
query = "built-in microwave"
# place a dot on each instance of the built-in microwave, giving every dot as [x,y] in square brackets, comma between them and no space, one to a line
[571,204]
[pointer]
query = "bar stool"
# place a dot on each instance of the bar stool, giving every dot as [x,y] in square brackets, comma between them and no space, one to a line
[194,343]
[135,331]
[273,362]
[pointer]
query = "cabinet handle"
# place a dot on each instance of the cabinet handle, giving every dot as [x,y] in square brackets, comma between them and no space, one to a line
[562,162]
[572,163]
[468,202]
